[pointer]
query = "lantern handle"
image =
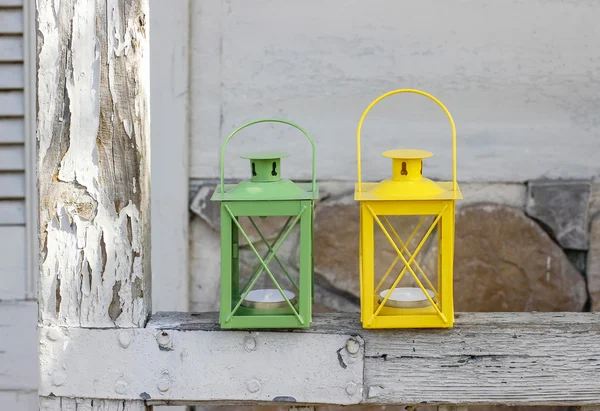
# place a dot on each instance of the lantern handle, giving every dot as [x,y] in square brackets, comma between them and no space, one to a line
[406,90]
[268,120]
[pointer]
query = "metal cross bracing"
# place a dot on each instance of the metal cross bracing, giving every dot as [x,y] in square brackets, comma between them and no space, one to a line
[266,259]
[400,251]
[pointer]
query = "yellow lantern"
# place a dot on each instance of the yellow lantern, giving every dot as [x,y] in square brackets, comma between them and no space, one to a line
[407,193]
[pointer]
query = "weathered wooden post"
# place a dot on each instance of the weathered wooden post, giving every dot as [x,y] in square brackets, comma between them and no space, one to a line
[93,175]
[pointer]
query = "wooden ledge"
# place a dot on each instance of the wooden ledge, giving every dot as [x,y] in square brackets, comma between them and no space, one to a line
[184,358]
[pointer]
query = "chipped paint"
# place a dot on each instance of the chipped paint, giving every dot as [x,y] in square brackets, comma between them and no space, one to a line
[93,133]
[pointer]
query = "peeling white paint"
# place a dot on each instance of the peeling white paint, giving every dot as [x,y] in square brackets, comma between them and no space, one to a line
[94,272]
[48,56]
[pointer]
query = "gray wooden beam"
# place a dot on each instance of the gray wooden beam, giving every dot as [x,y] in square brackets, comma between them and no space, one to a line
[487,358]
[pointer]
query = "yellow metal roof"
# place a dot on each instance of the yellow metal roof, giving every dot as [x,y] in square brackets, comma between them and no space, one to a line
[407,154]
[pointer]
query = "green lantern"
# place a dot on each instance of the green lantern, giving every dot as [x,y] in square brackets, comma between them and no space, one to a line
[286,302]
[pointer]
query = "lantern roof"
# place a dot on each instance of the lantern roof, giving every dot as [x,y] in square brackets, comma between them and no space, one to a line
[266,183]
[407,181]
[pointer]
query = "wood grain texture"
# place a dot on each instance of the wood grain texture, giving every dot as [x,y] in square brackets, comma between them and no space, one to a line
[86,404]
[93,161]
[487,358]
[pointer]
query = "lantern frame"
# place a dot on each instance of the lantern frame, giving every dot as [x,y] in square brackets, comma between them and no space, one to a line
[299,208]
[374,210]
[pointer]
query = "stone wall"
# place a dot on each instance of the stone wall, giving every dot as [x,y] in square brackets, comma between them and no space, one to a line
[519,247]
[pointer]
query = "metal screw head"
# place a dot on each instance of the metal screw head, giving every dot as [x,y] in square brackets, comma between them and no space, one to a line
[59,377]
[253,385]
[121,387]
[163,384]
[124,339]
[163,338]
[249,344]
[352,346]
[351,388]
[53,334]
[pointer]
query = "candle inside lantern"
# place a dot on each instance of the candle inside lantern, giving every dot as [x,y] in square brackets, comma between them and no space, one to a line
[407,297]
[268,298]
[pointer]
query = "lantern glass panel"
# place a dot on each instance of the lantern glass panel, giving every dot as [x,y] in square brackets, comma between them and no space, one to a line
[265,233]
[406,231]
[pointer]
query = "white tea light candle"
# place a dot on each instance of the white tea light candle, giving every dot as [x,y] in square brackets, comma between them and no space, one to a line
[268,298]
[407,297]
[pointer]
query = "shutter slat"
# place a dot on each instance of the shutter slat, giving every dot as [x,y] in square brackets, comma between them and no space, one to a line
[12,212]
[12,158]
[11,21]
[12,130]
[11,48]
[12,185]
[11,76]
[12,103]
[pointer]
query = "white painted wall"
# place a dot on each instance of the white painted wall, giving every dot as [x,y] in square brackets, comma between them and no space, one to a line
[521,78]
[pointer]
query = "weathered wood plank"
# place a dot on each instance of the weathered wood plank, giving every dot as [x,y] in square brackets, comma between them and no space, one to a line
[12,185]
[18,346]
[12,212]
[12,262]
[487,358]
[11,49]
[12,158]
[11,76]
[11,21]
[170,365]
[87,404]
[11,130]
[11,103]
[94,163]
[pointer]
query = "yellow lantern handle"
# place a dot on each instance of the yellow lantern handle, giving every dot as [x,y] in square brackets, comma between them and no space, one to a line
[406,90]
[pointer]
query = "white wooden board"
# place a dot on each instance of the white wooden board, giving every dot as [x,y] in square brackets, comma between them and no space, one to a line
[18,346]
[11,103]
[12,185]
[274,367]
[11,3]
[11,76]
[11,48]
[12,158]
[520,78]
[11,21]
[170,153]
[487,358]
[11,130]
[12,212]
[12,262]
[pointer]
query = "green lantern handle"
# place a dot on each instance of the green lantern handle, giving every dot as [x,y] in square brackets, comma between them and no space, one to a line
[390,93]
[268,120]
